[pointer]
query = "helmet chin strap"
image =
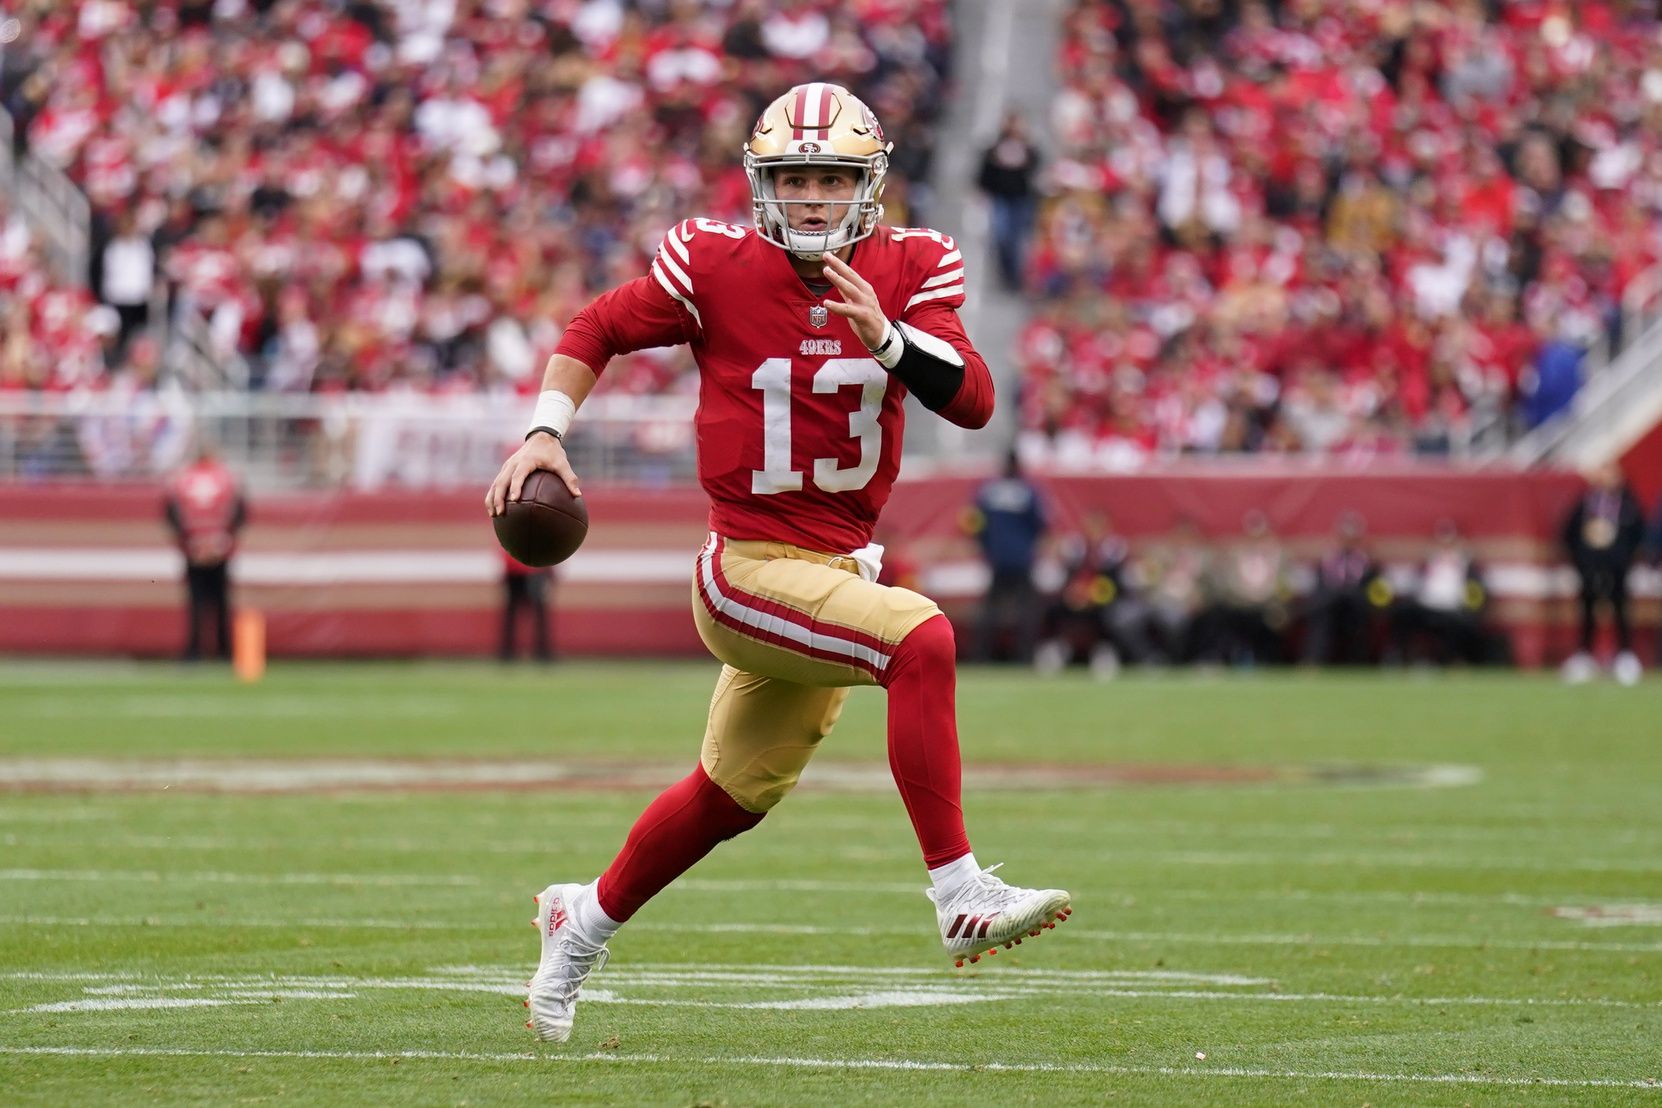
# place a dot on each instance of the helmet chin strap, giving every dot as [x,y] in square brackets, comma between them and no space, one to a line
[828,241]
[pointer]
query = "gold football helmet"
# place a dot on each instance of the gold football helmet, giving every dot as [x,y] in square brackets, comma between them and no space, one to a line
[817,124]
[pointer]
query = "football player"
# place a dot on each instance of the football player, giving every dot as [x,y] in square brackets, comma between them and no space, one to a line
[809,329]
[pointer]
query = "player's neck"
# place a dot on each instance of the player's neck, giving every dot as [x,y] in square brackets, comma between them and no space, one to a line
[815,270]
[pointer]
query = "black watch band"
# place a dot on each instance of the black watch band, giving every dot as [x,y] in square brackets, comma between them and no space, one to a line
[559,438]
[881,351]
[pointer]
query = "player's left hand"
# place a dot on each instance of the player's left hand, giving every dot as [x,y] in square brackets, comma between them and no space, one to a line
[859,303]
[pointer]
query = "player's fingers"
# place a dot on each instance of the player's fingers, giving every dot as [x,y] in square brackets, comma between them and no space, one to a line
[494,496]
[562,469]
[842,309]
[840,281]
[853,275]
[834,262]
[523,468]
[851,284]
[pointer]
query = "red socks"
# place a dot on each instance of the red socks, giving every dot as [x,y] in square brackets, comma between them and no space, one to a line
[691,816]
[685,823]
[921,677]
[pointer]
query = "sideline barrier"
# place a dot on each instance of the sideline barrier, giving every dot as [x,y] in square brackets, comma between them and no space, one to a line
[91,570]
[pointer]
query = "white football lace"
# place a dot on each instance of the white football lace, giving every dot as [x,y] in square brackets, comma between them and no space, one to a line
[580,962]
[990,891]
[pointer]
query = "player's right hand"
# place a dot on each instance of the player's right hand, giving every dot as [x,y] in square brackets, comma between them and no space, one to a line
[537,452]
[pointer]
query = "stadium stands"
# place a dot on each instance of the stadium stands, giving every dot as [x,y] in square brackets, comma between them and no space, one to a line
[370,195]
[1348,228]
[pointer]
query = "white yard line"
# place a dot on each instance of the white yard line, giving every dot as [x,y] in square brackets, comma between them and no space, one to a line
[880,1064]
[728,885]
[640,971]
[939,982]
[354,923]
[156,877]
[495,925]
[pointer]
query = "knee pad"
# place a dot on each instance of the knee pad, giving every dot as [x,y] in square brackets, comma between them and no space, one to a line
[758,786]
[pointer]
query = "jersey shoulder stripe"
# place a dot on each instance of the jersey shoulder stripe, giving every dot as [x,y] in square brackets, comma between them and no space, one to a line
[937,267]
[689,251]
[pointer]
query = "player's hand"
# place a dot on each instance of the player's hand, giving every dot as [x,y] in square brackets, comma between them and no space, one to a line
[859,303]
[538,452]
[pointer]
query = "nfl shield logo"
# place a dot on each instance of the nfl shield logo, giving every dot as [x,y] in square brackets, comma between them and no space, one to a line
[818,315]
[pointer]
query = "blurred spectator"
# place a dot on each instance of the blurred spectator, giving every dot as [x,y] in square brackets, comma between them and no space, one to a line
[1318,226]
[525,591]
[127,276]
[1008,168]
[1096,616]
[1008,519]
[1446,608]
[1602,535]
[206,511]
[1555,379]
[1174,576]
[1248,590]
[1347,593]
[385,194]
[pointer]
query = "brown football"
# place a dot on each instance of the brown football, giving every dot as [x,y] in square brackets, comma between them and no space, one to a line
[546,524]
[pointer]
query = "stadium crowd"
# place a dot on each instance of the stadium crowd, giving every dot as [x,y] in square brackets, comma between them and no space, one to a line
[378,194]
[1354,227]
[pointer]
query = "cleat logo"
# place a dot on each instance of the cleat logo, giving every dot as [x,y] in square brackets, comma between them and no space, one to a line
[972,927]
[556,917]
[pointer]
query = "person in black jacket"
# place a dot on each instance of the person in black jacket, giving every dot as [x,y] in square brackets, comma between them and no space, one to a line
[1602,535]
[1007,170]
[1341,607]
[1008,521]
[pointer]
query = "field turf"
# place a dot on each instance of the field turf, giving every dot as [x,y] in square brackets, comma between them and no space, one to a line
[1275,902]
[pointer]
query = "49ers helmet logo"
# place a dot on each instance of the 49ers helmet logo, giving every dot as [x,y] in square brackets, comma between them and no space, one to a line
[808,147]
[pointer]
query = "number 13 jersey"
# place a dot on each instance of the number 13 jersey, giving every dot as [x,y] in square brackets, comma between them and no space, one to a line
[798,426]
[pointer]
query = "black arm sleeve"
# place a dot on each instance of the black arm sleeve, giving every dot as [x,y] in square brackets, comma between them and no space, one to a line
[929,366]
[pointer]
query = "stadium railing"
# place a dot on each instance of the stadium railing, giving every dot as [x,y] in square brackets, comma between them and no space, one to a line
[312,441]
[1621,398]
[56,209]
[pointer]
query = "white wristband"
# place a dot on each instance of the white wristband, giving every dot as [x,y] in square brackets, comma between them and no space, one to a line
[892,345]
[554,409]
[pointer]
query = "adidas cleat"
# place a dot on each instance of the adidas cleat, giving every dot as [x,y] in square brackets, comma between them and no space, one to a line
[567,961]
[986,914]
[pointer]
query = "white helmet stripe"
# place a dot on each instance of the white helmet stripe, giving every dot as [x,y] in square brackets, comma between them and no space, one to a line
[813,112]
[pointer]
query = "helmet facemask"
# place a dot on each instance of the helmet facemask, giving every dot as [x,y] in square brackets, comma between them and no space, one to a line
[859,216]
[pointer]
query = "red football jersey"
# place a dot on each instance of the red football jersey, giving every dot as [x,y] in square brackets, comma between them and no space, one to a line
[798,427]
[206,511]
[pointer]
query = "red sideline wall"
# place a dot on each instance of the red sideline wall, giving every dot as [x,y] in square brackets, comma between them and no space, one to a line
[91,569]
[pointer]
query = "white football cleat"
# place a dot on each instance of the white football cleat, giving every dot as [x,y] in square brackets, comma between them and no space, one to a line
[1627,669]
[985,914]
[567,961]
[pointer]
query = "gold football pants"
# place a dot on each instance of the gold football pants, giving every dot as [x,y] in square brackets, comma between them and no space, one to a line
[794,630]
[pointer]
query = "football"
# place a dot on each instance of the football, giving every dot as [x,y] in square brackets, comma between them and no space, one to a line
[546,525]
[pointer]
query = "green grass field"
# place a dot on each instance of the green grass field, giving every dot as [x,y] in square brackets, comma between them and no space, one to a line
[1329,933]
